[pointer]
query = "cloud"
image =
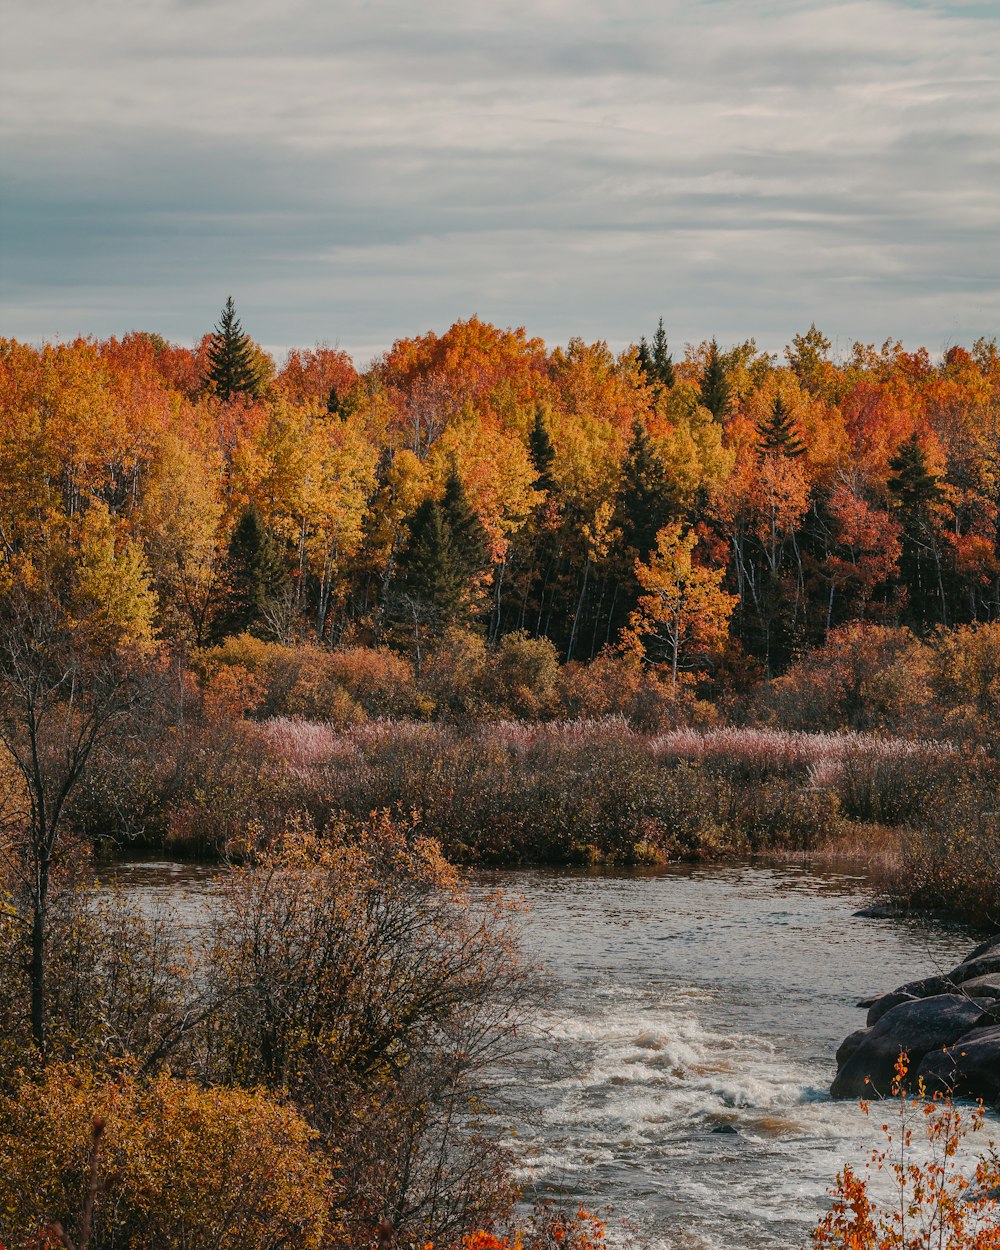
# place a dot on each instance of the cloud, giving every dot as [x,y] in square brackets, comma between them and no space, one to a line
[362,171]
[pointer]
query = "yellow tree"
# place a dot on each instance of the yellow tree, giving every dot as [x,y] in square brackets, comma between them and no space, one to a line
[683,609]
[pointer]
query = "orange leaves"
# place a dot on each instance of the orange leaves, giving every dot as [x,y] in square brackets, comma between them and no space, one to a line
[935,1205]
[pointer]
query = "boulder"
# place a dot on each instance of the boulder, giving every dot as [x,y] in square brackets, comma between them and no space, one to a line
[984,948]
[970,1068]
[886,1002]
[849,1045]
[916,1027]
[983,987]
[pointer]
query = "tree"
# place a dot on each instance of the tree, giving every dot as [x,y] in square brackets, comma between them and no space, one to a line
[917,495]
[65,687]
[647,500]
[655,358]
[255,574]
[542,453]
[684,608]
[233,367]
[433,591]
[778,435]
[468,536]
[715,389]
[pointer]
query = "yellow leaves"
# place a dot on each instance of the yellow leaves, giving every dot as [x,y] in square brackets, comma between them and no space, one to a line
[113,594]
[683,606]
[178,1164]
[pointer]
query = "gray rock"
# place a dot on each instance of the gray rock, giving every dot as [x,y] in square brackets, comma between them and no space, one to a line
[970,1068]
[849,1045]
[886,1003]
[879,911]
[916,1027]
[984,948]
[983,987]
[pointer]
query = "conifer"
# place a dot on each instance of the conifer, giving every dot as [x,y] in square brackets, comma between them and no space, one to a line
[232,365]
[715,390]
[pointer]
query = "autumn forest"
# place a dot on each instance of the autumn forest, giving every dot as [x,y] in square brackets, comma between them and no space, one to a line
[330,638]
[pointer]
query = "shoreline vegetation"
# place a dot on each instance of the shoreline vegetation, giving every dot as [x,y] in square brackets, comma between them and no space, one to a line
[483,603]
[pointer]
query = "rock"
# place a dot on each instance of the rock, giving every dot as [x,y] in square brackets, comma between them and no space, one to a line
[728,1129]
[981,966]
[886,1003]
[984,948]
[849,1045]
[879,911]
[868,1002]
[983,987]
[970,1068]
[916,1027]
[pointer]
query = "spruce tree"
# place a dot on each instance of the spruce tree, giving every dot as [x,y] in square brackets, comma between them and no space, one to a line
[655,359]
[714,384]
[333,402]
[916,492]
[255,574]
[232,364]
[469,539]
[434,582]
[778,435]
[647,500]
[542,453]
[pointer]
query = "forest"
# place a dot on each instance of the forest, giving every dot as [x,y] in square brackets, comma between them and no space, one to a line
[485,603]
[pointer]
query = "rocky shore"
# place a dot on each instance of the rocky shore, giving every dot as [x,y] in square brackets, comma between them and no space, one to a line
[947,1025]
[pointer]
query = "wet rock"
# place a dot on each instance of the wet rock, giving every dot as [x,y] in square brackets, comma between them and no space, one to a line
[868,1002]
[970,1068]
[728,1130]
[916,1027]
[879,911]
[885,1003]
[849,1045]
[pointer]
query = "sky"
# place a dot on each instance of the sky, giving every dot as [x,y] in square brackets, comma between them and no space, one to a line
[355,171]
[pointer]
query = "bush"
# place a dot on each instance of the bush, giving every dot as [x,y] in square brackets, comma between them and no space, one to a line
[166,1164]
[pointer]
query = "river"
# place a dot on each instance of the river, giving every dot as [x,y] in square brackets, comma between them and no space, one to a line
[688,1044]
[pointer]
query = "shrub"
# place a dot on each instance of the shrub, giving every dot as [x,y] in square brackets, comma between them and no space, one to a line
[112,1162]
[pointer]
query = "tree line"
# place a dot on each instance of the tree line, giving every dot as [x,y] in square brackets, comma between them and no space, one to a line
[721,512]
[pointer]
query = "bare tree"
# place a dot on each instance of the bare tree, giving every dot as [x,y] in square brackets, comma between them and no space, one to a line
[62,691]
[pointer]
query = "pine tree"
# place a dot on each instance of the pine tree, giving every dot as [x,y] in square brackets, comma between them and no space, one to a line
[647,500]
[778,435]
[714,384]
[655,359]
[469,539]
[255,574]
[232,365]
[542,453]
[433,588]
[917,493]
[333,402]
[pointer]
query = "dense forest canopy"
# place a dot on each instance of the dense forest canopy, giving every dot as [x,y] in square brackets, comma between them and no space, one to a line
[720,510]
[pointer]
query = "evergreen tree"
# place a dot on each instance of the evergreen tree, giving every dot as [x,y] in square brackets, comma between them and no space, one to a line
[255,574]
[714,384]
[433,587]
[655,359]
[333,402]
[917,493]
[232,365]
[469,539]
[647,501]
[542,453]
[778,435]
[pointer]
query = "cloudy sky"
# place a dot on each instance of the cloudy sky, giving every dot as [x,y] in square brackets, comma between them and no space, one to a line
[357,170]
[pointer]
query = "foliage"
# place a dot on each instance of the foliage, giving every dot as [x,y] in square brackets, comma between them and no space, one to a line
[165,1163]
[934,1204]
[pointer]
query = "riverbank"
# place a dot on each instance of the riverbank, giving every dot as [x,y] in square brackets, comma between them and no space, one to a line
[576,793]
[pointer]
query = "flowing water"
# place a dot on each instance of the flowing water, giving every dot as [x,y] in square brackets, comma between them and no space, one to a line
[688,1044]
